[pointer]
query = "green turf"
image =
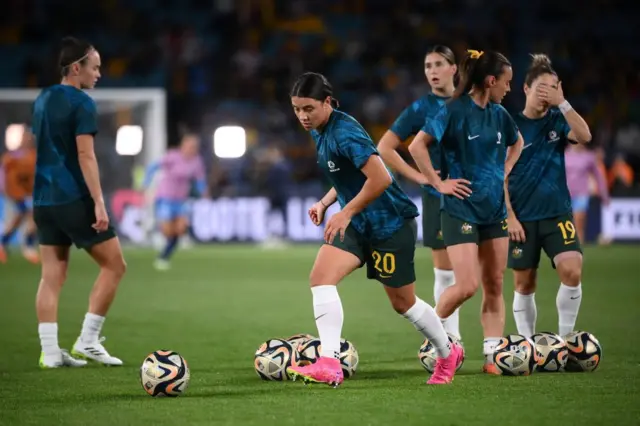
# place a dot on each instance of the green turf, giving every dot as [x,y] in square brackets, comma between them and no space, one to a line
[217,305]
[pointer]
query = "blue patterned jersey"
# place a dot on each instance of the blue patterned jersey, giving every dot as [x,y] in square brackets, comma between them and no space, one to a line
[538,182]
[411,121]
[60,113]
[474,141]
[343,149]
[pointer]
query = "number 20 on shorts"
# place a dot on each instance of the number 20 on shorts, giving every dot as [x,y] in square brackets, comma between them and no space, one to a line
[568,231]
[384,263]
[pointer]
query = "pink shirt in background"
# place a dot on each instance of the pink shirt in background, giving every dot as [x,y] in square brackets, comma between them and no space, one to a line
[580,166]
[177,175]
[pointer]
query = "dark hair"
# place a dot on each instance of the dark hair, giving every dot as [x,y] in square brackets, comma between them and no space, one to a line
[476,66]
[443,51]
[315,86]
[72,51]
[540,64]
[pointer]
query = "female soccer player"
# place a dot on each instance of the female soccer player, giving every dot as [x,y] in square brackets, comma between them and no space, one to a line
[376,226]
[540,205]
[581,166]
[19,169]
[181,167]
[69,206]
[480,144]
[440,69]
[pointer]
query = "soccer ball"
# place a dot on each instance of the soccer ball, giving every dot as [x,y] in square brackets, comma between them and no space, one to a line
[552,352]
[164,373]
[298,340]
[310,352]
[515,355]
[273,358]
[585,351]
[427,354]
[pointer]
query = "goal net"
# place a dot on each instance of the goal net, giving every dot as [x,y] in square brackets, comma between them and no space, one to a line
[132,134]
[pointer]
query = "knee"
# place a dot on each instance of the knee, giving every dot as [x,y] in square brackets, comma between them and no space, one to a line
[117,266]
[525,282]
[54,279]
[572,276]
[402,303]
[320,277]
[468,288]
[492,285]
[181,228]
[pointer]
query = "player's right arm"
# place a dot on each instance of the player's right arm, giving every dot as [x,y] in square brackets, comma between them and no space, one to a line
[433,132]
[317,211]
[86,129]
[408,123]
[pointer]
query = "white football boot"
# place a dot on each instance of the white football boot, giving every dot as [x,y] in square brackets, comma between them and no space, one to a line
[63,359]
[95,352]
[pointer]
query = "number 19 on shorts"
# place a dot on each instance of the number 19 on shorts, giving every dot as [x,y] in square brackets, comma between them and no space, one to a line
[568,231]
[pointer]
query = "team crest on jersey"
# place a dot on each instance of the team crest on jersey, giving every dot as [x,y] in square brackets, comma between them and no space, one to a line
[466,228]
[553,137]
[332,167]
[499,138]
[516,253]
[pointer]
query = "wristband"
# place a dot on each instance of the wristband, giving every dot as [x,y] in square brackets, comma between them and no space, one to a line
[565,107]
[325,206]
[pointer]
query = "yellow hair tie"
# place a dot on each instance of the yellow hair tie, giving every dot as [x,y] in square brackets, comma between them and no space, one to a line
[475,54]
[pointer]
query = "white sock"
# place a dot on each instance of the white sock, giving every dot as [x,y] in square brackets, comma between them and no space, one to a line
[48,332]
[327,309]
[426,321]
[91,328]
[568,304]
[489,347]
[525,313]
[444,279]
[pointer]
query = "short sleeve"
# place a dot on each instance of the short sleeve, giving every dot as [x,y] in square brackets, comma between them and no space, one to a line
[509,128]
[438,125]
[409,121]
[357,148]
[86,118]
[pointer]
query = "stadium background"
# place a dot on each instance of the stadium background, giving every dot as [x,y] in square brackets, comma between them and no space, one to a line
[223,62]
[226,62]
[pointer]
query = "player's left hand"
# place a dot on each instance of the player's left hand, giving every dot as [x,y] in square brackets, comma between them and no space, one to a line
[102,218]
[550,95]
[516,230]
[338,223]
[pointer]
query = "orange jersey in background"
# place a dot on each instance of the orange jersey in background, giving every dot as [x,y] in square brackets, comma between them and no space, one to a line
[20,170]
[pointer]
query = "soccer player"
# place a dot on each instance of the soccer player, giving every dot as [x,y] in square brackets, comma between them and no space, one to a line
[181,168]
[480,144]
[69,207]
[376,227]
[440,69]
[581,166]
[540,205]
[19,168]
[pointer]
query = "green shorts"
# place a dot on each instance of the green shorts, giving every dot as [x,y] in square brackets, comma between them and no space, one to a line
[390,261]
[554,236]
[457,231]
[64,224]
[431,224]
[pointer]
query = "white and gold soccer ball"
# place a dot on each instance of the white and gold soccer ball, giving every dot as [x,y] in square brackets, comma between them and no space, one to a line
[515,355]
[298,340]
[585,352]
[272,359]
[552,352]
[164,373]
[427,354]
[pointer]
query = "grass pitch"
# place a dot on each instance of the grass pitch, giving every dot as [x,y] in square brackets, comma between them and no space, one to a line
[218,304]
